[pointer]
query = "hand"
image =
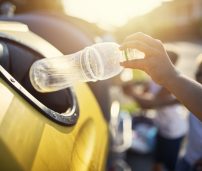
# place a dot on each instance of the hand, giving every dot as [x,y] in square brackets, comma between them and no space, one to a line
[156,62]
[127,89]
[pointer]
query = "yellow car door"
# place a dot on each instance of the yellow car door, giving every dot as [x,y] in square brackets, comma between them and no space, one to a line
[41,132]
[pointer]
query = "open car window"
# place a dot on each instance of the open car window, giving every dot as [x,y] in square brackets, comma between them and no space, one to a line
[16,58]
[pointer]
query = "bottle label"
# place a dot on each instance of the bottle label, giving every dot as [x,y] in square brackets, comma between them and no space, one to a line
[131,54]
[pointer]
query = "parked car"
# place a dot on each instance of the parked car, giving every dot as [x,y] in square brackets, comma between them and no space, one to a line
[64,130]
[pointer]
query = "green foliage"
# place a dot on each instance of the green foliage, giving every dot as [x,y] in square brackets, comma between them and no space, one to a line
[130,107]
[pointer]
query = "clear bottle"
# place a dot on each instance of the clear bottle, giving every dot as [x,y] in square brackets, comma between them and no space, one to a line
[97,62]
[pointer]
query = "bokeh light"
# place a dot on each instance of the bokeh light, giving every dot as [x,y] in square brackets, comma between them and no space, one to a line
[109,13]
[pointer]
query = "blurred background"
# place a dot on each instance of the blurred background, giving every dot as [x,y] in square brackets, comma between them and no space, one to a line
[178,23]
[168,19]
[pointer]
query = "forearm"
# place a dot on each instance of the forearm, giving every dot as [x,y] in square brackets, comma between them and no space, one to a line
[151,103]
[144,103]
[187,91]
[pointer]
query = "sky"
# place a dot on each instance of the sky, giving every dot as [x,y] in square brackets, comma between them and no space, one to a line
[109,13]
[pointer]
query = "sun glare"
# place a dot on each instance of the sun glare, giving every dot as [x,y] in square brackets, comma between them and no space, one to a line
[109,13]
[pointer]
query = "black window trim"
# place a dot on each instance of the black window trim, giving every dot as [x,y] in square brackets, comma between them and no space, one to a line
[67,118]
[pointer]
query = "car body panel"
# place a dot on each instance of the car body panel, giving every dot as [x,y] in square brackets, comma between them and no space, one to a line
[31,141]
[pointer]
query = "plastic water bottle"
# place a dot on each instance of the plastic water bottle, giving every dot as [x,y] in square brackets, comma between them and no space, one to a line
[97,62]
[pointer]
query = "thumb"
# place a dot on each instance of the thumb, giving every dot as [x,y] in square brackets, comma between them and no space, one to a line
[134,64]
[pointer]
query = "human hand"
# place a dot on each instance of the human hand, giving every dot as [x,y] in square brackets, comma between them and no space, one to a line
[127,89]
[156,62]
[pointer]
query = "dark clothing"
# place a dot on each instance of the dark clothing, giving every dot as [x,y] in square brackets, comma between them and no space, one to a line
[167,150]
[183,165]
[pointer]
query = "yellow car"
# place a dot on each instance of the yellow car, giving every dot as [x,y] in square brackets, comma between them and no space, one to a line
[61,131]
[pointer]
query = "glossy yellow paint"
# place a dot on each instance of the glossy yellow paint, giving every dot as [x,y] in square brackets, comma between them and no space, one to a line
[30,141]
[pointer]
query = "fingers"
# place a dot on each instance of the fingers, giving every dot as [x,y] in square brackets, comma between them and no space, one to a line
[144,38]
[134,64]
[141,46]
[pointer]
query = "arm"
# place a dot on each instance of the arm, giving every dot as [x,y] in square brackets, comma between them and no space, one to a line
[162,99]
[188,92]
[158,65]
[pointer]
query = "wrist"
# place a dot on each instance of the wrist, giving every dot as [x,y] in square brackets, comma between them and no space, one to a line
[170,78]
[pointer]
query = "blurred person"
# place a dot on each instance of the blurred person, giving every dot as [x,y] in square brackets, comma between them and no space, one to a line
[171,124]
[193,155]
[157,64]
